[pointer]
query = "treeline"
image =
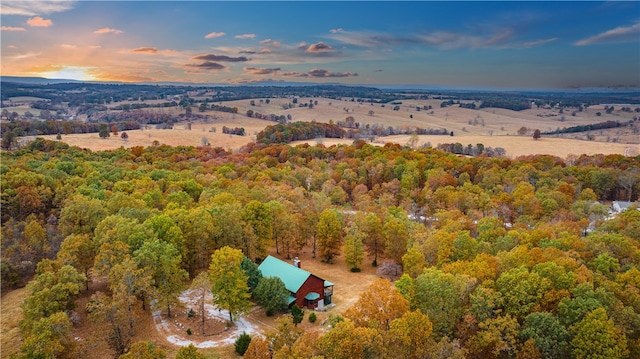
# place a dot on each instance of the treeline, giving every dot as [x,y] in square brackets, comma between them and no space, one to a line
[471,150]
[233,131]
[591,127]
[509,103]
[298,131]
[66,127]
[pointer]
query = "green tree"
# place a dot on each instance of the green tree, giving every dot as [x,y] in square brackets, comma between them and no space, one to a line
[230,289]
[103,131]
[297,314]
[329,233]
[81,215]
[54,289]
[442,296]
[162,261]
[550,336]
[353,248]
[522,290]
[253,273]
[242,343]
[50,338]
[596,337]
[271,294]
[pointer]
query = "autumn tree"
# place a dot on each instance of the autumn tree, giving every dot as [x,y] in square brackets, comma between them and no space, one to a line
[230,290]
[258,217]
[497,337]
[329,233]
[258,349]
[285,335]
[144,350]
[346,340]
[409,336]
[374,239]
[395,237]
[353,248]
[77,250]
[189,352]
[378,306]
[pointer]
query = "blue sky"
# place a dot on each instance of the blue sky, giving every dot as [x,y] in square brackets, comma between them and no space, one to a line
[504,44]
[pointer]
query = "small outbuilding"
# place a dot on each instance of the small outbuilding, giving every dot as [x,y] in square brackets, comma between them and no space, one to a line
[305,289]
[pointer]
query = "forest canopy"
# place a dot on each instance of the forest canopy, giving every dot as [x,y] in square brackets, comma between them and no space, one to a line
[501,257]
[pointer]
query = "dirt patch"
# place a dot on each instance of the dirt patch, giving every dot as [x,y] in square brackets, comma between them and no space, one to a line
[10,317]
[217,332]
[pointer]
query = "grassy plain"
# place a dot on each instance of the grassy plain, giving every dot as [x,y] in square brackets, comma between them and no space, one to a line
[490,126]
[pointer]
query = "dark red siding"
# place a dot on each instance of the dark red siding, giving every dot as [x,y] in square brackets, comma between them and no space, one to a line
[312,284]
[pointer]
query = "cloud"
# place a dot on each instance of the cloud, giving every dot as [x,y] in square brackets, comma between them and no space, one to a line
[335,31]
[68,46]
[619,34]
[446,40]
[245,36]
[213,35]
[260,71]
[208,65]
[221,58]
[319,73]
[146,50]
[108,30]
[319,47]
[378,70]
[31,8]
[536,43]
[12,28]
[265,41]
[38,21]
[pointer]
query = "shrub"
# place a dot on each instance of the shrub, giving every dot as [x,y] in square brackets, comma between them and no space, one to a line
[242,343]
[189,331]
[313,317]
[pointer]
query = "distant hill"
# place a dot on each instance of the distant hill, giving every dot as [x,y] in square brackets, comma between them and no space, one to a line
[35,80]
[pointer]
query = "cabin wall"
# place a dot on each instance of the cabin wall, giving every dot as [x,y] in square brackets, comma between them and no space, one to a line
[312,284]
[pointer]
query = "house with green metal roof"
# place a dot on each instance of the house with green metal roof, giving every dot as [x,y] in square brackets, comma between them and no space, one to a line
[307,290]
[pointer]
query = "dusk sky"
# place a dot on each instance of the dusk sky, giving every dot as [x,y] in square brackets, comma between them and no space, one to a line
[455,44]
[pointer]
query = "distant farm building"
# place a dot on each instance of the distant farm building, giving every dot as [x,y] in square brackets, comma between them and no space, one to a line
[305,289]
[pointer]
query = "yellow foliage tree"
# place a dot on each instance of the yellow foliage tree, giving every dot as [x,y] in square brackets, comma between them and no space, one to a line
[378,306]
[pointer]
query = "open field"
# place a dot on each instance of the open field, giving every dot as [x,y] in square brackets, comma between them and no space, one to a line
[491,127]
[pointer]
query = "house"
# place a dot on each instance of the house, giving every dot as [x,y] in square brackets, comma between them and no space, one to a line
[621,206]
[305,289]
